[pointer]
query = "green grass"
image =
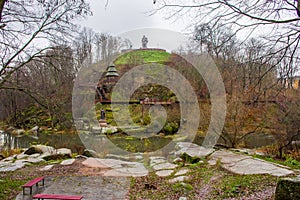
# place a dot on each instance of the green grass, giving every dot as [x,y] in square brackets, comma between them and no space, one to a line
[290,162]
[143,56]
[9,184]
[240,185]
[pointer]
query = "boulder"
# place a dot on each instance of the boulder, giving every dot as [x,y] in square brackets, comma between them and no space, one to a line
[67,162]
[33,150]
[41,149]
[89,153]
[46,168]
[193,150]
[189,159]
[288,188]
[59,154]
[64,151]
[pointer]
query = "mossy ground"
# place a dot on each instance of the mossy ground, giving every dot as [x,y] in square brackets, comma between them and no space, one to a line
[205,182]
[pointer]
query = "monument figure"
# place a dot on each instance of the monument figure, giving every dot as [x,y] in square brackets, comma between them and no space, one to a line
[102,115]
[144,42]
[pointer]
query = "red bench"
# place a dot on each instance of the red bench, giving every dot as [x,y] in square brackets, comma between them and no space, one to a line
[56,196]
[31,183]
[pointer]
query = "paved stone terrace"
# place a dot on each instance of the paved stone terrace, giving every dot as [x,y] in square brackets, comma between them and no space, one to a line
[91,187]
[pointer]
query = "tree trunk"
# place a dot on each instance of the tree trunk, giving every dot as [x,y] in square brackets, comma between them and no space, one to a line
[2,2]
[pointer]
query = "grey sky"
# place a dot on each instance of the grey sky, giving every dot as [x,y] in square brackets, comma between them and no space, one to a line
[131,17]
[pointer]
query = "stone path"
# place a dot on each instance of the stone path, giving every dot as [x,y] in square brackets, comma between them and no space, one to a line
[243,164]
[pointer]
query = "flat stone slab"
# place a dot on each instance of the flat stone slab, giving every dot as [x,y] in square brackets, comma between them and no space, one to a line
[94,163]
[164,166]
[22,156]
[68,162]
[164,173]
[117,167]
[10,158]
[127,172]
[34,160]
[181,172]
[46,168]
[157,160]
[178,179]
[8,167]
[34,155]
[192,150]
[243,164]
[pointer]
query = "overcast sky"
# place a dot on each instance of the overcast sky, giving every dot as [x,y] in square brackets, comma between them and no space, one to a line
[131,18]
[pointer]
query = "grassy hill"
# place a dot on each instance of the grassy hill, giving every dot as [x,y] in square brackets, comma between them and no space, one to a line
[143,56]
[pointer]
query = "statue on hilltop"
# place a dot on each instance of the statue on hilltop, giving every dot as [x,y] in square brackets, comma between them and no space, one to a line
[144,42]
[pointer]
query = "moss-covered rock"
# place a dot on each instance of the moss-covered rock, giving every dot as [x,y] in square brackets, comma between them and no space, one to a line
[189,159]
[89,153]
[288,189]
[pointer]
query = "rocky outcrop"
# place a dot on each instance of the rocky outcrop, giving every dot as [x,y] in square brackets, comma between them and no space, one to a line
[41,149]
[57,154]
[34,154]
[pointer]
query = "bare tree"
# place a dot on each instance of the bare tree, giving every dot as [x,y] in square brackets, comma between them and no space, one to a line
[108,46]
[27,27]
[280,20]
[84,46]
[45,85]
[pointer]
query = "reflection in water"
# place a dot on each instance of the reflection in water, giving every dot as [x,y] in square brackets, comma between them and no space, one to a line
[1,139]
[111,145]
[252,141]
[9,142]
[71,141]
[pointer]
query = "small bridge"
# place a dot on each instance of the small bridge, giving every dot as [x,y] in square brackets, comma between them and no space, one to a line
[143,102]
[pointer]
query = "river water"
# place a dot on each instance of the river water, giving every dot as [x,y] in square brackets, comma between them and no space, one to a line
[73,141]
